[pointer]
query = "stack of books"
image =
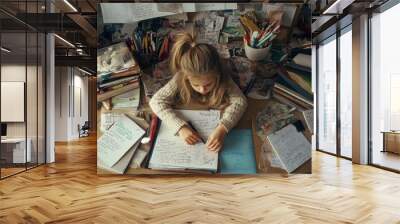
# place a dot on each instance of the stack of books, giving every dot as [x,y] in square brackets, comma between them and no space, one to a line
[294,79]
[118,76]
[282,129]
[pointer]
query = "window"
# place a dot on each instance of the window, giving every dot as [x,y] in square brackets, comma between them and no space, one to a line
[22,75]
[346,92]
[327,96]
[385,87]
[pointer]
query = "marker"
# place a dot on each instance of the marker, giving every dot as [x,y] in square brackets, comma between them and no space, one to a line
[152,129]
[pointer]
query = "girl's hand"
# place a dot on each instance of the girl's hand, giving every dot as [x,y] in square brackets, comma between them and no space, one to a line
[216,140]
[190,136]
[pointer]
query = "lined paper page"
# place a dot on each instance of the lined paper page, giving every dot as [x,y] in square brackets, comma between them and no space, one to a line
[118,140]
[291,146]
[171,151]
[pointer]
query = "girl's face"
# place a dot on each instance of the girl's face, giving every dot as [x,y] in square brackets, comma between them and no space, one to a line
[202,84]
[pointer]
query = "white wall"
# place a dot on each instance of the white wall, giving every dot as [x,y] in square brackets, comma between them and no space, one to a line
[61,104]
[33,127]
[70,83]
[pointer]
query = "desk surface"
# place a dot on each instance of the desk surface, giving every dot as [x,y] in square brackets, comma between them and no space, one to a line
[391,132]
[13,140]
[254,106]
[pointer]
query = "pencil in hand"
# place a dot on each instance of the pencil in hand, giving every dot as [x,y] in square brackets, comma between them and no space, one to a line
[194,129]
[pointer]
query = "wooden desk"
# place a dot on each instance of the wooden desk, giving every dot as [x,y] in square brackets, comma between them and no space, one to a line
[254,107]
[391,141]
[13,150]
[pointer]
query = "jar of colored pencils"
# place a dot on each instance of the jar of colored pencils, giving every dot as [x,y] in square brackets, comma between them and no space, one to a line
[256,54]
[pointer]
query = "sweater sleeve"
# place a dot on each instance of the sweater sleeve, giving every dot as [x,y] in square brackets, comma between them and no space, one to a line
[162,104]
[236,108]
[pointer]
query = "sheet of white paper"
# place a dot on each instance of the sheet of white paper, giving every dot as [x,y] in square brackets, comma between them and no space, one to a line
[309,118]
[170,7]
[233,20]
[291,147]
[170,151]
[208,37]
[115,142]
[189,7]
[177,17]
[214,6]
[115,13]
[128,12]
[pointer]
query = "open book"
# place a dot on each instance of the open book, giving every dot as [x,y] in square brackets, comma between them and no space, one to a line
[170,152]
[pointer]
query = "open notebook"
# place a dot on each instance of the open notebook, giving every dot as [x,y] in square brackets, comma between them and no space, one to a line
[170,152]
[290,147]
[117,145]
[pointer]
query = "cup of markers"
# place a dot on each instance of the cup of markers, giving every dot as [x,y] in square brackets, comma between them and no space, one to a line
[257,44]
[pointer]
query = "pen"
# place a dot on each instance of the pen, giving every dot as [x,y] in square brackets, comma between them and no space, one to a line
[192,127]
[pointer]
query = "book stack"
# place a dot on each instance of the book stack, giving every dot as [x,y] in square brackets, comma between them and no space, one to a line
[125,141]
[293,83]
[285,145]
[117,146]
[117,73]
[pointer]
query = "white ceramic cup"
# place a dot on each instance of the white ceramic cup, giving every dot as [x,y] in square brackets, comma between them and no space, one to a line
[256,54]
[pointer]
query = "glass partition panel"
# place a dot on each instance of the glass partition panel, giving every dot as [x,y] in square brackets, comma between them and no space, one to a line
[15,151]
[385,89]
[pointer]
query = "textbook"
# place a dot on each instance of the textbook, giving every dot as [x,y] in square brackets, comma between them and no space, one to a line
[286,95]
[106,77]
[116,92]
[171,152]
[285,80]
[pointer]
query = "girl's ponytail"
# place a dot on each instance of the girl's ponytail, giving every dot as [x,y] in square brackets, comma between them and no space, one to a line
[183,42]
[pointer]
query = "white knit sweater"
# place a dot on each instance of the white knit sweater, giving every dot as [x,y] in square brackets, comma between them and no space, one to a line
[164,100]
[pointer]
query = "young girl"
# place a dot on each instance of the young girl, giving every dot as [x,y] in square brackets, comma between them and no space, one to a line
[198,76]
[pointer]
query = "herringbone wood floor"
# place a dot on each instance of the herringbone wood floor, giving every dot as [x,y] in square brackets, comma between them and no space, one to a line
[69,191]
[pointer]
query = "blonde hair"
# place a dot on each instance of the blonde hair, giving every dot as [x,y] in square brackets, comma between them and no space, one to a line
[189,58]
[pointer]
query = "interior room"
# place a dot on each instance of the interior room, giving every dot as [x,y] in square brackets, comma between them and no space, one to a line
[49,127]
[23,96]
[338,54]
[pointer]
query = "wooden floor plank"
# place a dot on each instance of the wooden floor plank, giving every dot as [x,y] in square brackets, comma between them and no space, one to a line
[69,191]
